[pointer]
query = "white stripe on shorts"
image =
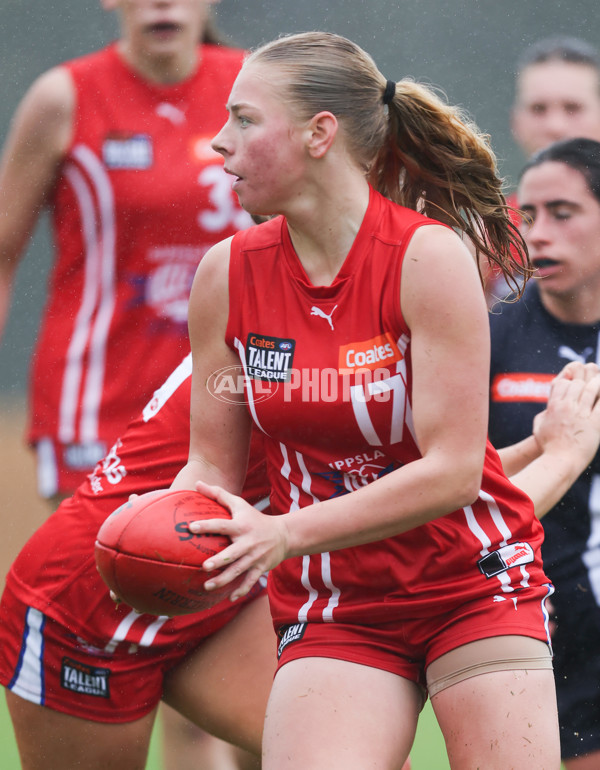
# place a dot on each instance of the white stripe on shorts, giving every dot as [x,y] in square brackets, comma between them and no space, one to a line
[28,681]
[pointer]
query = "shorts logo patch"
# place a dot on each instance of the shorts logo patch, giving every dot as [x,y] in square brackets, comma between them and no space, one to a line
[289,634]
[269,358]
[84,679]
[513,555]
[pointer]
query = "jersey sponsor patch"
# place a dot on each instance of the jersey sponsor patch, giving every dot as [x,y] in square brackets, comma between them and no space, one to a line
[521,386]
[128,152]
[269,358]
[512,555]
[289,634]
[368,354]
[84,679]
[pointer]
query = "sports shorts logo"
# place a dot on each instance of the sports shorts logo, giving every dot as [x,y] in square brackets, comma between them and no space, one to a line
[374,353]
[512,555]
[128,152]
[288,635]
[86,680]
[521,386]
[269,358]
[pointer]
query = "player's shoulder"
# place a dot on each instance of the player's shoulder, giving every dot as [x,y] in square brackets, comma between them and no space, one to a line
[50,98]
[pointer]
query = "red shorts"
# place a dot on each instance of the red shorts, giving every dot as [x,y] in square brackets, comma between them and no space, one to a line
[45,663]
[407,647]
[61,468]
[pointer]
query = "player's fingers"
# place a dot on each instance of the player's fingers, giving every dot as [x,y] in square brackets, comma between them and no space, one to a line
[564,388]
[251,579]
[570,371]
[218,494]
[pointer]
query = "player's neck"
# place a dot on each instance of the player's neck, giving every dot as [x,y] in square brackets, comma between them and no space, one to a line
[584,310]
[162,70]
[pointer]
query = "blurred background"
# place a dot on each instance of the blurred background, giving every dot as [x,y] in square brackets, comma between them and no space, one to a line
[465,47]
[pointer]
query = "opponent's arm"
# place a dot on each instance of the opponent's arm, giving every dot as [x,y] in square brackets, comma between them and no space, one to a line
[568,434]
[36,144]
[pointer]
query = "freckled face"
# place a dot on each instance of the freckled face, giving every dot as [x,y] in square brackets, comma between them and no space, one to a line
[262,145]
[563,235]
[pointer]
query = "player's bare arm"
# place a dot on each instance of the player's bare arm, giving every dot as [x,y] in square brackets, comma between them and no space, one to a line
[36,143]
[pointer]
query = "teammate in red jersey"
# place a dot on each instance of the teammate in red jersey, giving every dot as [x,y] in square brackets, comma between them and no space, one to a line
[117,143]
[84,678]
[402,558]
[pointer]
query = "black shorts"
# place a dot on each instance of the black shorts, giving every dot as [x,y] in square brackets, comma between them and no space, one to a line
[576,645]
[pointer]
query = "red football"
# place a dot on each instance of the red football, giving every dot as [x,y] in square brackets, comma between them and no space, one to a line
[146,554]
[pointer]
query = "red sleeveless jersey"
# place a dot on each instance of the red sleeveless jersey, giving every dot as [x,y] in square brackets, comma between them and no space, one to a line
[139,199]
[328,378]
[55,571]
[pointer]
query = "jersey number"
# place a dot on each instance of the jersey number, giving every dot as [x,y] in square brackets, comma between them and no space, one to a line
[393,384]
[225,212]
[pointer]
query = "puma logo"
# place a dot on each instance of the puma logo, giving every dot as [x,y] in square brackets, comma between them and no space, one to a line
[571,355]
[171,113]
[322,314]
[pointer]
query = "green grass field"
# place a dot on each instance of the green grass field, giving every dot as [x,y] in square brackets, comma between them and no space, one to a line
[427,754]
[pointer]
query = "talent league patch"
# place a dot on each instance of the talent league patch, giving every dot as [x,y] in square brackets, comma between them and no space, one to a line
[128,152]
[86,680]
[289,634]
[269,358]
[513,555]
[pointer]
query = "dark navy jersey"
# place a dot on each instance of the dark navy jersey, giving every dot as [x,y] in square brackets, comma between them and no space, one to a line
[529,347]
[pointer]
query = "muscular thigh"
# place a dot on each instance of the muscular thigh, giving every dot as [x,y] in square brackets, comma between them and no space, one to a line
[336,714]
[496,705]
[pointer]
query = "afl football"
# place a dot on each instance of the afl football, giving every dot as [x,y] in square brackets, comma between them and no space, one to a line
[146,554]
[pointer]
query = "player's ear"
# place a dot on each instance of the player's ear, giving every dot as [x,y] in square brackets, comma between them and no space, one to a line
[322,130]
[109,5]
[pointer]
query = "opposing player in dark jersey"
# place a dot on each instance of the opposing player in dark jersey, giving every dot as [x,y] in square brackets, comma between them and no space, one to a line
[84,677]
[117,145]
[401,556]
[558,320]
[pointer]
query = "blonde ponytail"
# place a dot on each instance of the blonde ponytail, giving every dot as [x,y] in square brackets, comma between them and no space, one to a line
[435,160]
[415,148]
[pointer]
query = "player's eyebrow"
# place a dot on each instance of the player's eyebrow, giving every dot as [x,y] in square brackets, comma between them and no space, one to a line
[550,204]
[235,108]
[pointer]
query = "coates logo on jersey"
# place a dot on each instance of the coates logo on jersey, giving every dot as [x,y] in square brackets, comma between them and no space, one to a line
[269,359]
[371,354]
[127,152]
[520,386]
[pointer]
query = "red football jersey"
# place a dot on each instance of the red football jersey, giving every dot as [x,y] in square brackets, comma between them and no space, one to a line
[139,199]
[329,370]
[55,571]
